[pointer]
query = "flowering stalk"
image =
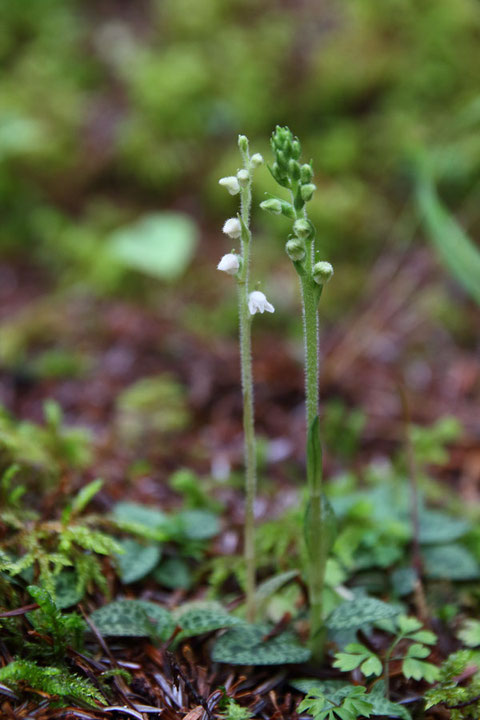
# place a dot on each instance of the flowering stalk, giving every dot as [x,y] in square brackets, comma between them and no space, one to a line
[319,521]
[248,305]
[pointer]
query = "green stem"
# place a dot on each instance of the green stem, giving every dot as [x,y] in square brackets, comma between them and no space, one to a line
[386,667]
[245,322]
[310,336]
[317,556]
[317,551]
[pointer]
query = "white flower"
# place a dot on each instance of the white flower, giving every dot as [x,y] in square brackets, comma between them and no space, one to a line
[256,160]
[243,177]
[257,302]
[232,227]
[231,183]
[229,264]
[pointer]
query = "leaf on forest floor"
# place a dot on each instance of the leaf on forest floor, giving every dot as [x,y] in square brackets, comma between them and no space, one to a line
[360,611]
[245,645]
[133,618]
[137,560]
[450,562]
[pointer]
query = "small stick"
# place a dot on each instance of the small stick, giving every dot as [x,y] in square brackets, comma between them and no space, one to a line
[417,563]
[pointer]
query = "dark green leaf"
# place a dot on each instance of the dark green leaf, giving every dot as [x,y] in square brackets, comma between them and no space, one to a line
[437,527]
[199,524]
[133,618]
[200,617]
[450,562]
[245,645]
[67,590]
[174,573]
[137,560]
[358,612]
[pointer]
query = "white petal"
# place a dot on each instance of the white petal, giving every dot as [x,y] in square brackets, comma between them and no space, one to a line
[232,227]
[257,302]
[231,184]
[256,160]
[229,264]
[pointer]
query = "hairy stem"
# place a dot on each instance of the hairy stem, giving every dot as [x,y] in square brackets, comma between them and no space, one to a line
[245,322]
[317,554]
[310,337]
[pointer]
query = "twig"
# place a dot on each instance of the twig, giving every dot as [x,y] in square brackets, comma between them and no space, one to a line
[417,563]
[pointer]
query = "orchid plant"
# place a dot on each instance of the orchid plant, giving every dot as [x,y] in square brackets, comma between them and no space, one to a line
[237,264]
[297,178]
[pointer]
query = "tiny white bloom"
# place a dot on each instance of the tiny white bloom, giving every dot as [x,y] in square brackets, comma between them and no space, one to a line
[232,227]
[256,160]
[243,177]
[231,184]
[229,264]
[257,302]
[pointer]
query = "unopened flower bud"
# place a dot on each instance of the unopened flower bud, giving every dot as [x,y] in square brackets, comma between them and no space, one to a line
[307,191]
[272,205]
[231,184]
[295,250]
[282,159]
[257,302]
[256,160]
[296,149]
[278,207]
[243,177]
[278,174]
[243,143]
[294,169]
[302,228]
[322,272]
[229,264]
[233,228]
[306,173]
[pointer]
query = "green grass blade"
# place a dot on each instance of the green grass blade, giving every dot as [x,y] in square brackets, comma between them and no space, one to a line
[456,250]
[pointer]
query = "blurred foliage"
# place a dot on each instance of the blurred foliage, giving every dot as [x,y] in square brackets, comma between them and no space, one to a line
[151,406]
[110,109]
[43,450]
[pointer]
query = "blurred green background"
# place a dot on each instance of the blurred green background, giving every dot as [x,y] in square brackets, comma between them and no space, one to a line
[113,109]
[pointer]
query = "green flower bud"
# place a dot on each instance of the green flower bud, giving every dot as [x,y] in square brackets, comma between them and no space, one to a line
[278,207]
[272,205]
[306,173]
[298,201]
[288,210]
[322,272]
[281,139]
[243,143]
[279,175]
[307,191]
[294,169]
[295,250]
[302,228]
[282,159]
[296,149]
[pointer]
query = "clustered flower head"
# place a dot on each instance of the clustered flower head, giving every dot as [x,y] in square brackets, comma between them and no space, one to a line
[288,171]
[258,303]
